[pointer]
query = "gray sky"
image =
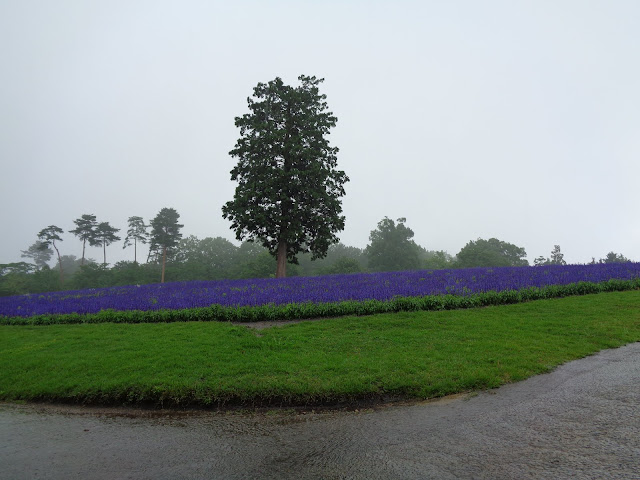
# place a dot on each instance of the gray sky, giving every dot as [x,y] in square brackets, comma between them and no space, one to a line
[511,119]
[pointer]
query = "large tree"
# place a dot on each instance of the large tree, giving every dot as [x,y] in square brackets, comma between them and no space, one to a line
[436,259]
[206,259]
[491,253]
[105,235]
[137,233]
[289,187]
[48,237]
[165,233]
[391,247]
[340,259]
[15,278]
[72,264]
[86,231]
[613,257]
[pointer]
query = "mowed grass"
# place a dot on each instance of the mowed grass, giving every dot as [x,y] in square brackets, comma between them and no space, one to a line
[350,359]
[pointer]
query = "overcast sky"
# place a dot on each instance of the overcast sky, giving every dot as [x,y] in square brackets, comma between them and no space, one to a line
[518,120]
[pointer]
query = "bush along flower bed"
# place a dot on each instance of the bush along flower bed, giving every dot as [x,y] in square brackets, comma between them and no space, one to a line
[313,297]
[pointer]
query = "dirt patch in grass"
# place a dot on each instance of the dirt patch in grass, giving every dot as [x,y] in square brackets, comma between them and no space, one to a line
[277,323]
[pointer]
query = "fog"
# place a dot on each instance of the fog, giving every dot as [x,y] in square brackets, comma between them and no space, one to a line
[514,120]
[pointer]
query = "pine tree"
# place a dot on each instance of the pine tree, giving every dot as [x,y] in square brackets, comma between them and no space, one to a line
[165,233]
[105,235]
[86,231]
[48,237]
[137,233]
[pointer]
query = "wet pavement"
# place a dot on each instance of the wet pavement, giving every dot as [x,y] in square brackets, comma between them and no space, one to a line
[581,421]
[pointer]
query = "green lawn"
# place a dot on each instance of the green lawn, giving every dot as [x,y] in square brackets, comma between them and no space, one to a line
[417,354]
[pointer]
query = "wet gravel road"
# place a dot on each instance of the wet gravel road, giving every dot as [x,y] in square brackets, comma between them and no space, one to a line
[581,421]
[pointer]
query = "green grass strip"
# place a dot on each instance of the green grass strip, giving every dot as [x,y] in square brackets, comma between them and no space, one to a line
[350,359]
[319,310]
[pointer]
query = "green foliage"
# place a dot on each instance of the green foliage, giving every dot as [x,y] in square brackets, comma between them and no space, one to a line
[86,231]
[39,252]
[71,264]
[255,261]
[491,253]
[165,234]
[557,257]
[133,273]
[350,259]
[289,187]
[262,265]
[342,265]
[14,278]
[340,250]
[92,275]
[44,280]
[137,233]
[613,257]
[18,268]
[13,284]
[48,237]
[165,230]
[541,260]
[20,278]
[436,260]
[391,247]
[206,259]
[105,235]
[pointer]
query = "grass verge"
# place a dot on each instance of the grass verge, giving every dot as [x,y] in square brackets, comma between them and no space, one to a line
[350,359]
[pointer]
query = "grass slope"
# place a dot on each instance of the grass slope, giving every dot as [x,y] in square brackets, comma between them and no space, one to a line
[412,354]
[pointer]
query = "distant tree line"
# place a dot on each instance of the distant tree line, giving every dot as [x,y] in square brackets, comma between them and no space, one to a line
[174,258]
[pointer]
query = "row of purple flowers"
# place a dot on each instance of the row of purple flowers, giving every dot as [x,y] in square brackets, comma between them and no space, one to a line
[330,288]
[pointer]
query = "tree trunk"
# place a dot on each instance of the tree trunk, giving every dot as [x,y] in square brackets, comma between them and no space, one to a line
[84,244]
[135,251]
[59,264]
[164,260]
[281,260]
[104,253]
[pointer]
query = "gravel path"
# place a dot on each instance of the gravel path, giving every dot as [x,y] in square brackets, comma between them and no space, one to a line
[581,421]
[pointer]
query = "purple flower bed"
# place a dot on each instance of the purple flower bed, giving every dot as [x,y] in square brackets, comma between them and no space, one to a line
[331,288]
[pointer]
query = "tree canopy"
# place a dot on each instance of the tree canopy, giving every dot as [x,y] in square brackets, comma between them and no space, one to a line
[39,253]
[105,235]
[210,258]
[165,233]
[48,237]
[391,247]
[289,186]
[436,259]
[613,257]
[491,253]
[137,233]
[86,231]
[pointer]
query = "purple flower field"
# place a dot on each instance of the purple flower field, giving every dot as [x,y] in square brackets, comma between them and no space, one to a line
[330,288]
